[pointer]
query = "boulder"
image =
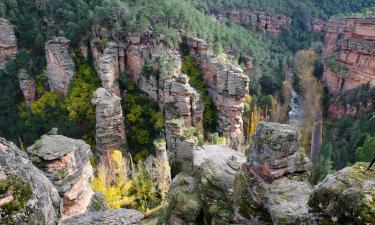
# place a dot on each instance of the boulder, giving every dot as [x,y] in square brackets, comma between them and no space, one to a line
[215,167]
[108,217]
[8,42]
[66,162]
[346,197]
[26,194]
[60,66]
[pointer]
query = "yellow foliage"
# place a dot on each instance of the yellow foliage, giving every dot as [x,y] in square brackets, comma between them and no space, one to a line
[114,183]
[255,117]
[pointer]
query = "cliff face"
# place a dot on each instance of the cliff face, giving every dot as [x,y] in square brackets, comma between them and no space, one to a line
[60,65]
[227,85]
[27,86]
[257,21]
[349,53]
[110,128]
[8,42]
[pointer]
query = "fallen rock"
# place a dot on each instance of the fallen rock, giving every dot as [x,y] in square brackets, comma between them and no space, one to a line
[346,197]
[27,86]
[26,195]
[110,128]
[66,163]
[215,167]
[60,66]
[8,42]
[109,217]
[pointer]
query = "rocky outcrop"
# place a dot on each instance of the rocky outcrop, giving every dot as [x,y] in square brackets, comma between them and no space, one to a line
[26,194]
[109,217]
[27,86]
[227,85]
[268,188]
[349,54]
[215,167]
[66,163]
[8,42]
[110,62]
[346,197]
[275,151]
[110,128]
[60,66]
[318,25]
[257,21]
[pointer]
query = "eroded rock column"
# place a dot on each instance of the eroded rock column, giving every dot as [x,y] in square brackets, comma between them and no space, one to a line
[110,128]
[8,42]
[60,66]
[27,86]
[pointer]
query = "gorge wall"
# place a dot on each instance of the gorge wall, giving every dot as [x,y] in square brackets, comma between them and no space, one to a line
[8,42]
[349,54]
[257,21]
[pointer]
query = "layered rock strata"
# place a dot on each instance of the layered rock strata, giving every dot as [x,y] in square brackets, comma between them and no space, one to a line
[66,163]
[60,66]
[26,195]
[27,86]
[110,128]
[257,21]
[349,53]
[269,187]
[227,85]
[8,42]
[110,62]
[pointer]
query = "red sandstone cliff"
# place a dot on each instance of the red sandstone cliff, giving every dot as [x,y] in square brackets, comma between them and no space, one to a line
[8,42]
[349,54]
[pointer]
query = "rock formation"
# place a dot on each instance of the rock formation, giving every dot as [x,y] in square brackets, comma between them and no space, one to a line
[215,167]
[8,42]
[346,197]
[26,194]
[109,217]
[257,21]
[66,163]
[109,64]
[318,25]
[110,128]
[60,65]
[268,188]
[27,86]
[227,85]
[349,54]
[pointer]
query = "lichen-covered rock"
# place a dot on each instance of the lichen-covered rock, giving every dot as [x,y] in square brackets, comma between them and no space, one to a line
[26,194]
[185,202]
[108,217]
[275,151]
[27,86]
[215,168]
[110,128]
[108,64]
[8,42]
[227,85]
[60,66]
[346,197]
[349,53]
[66,162]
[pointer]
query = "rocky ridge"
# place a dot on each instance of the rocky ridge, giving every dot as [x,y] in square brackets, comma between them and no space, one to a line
[60,66]
[227,85]
[8,42]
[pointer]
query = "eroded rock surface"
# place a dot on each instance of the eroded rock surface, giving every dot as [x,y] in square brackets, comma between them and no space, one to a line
[349,53]
[109,217]
[110,128]
[27,86]
[227,85]
[60,66]
[66,163]
[346,197]
[26,195]
[8,42]
[257,21]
